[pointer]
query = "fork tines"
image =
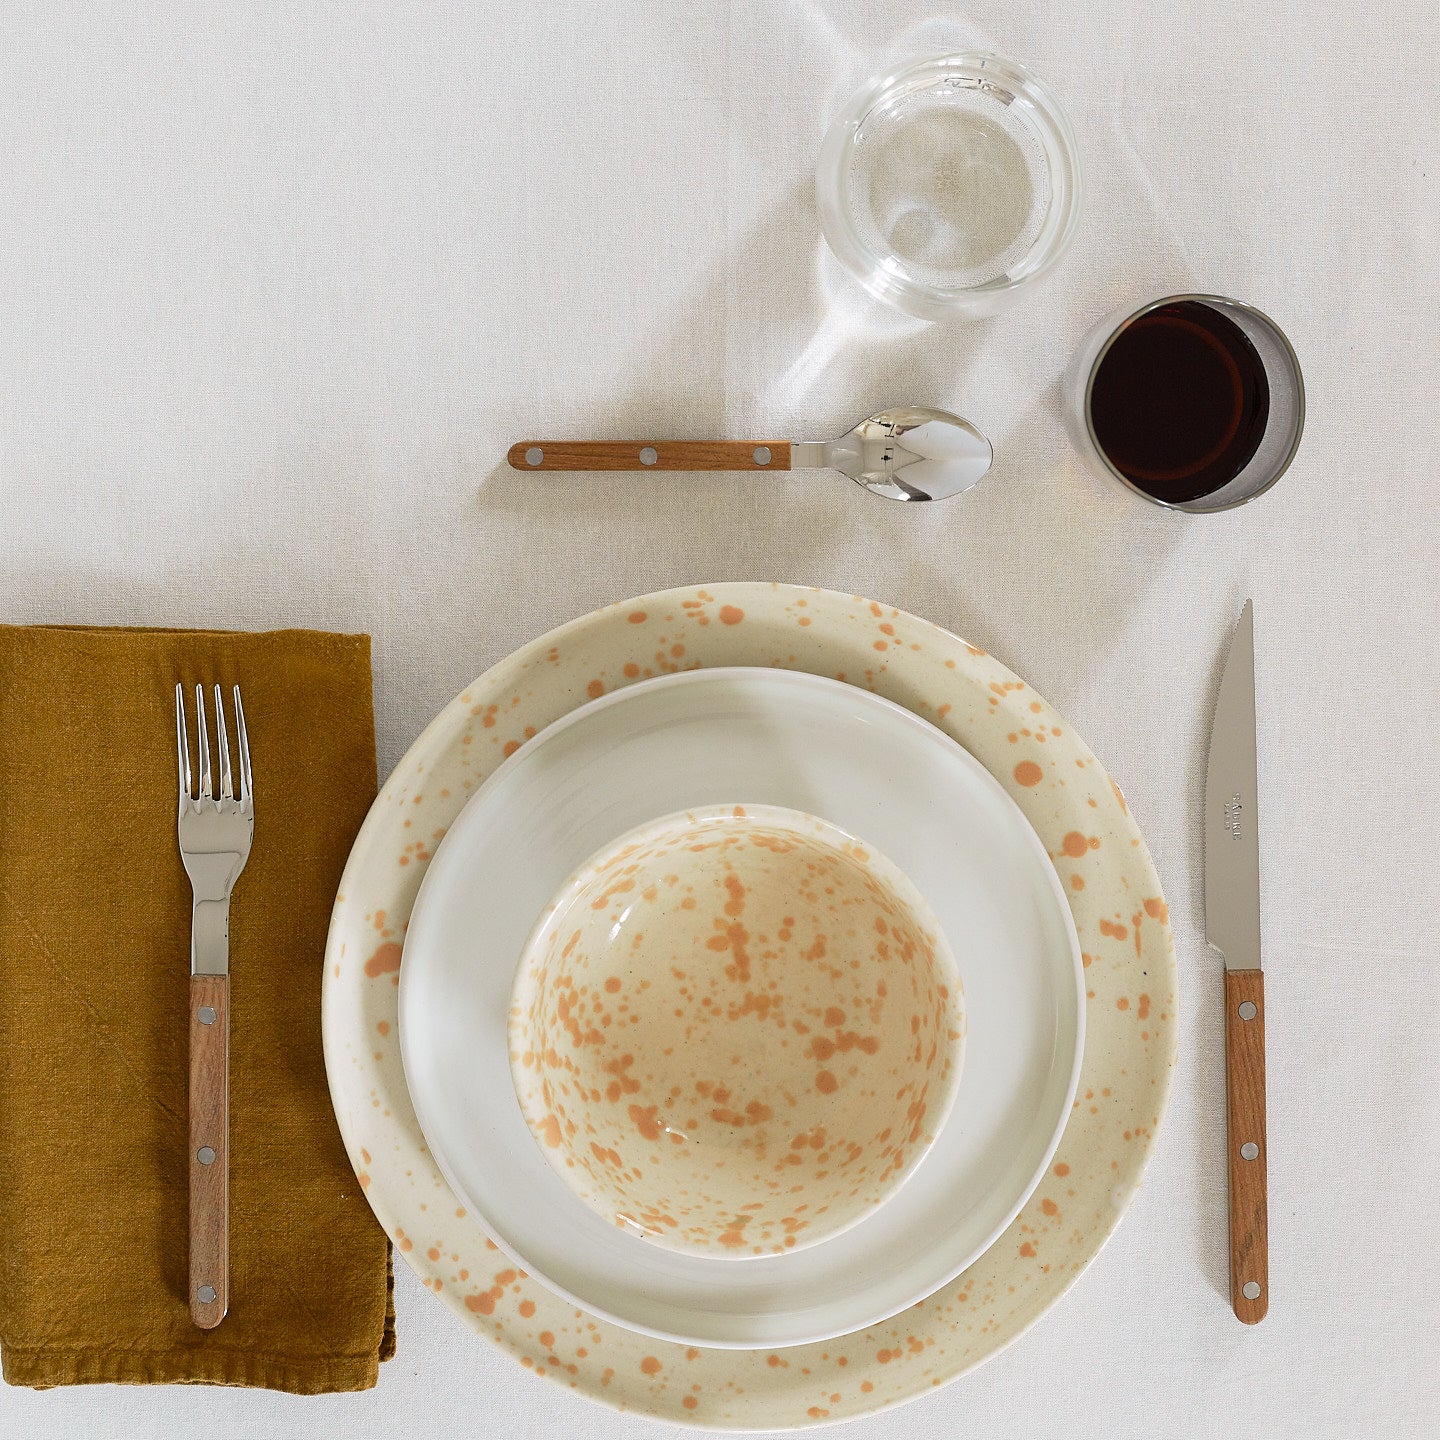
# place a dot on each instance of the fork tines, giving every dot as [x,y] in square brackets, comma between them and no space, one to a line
[244,792]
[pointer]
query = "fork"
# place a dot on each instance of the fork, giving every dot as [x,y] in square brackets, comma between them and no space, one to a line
[215,834]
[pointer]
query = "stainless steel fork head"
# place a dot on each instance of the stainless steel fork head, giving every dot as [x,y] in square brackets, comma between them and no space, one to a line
[215,829]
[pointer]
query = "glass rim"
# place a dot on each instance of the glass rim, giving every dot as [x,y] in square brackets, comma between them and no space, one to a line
[1191,507]
[880,272]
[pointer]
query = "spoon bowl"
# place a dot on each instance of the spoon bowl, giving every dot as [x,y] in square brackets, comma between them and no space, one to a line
[906,453]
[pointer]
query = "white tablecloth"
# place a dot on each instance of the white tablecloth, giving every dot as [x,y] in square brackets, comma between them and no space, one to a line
[280,284]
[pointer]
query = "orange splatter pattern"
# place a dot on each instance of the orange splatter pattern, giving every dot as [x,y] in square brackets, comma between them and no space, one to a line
[385,961]
[963,1323]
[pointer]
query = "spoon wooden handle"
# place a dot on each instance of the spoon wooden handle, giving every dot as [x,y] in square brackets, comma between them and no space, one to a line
[650,455]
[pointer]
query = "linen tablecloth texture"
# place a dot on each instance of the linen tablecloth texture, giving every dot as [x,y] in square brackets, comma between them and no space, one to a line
[337,259]
[94,975]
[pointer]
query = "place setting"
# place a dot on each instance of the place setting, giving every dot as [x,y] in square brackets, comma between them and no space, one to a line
[748,1005]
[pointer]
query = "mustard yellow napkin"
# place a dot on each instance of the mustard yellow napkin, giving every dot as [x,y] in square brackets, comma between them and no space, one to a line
[94,977]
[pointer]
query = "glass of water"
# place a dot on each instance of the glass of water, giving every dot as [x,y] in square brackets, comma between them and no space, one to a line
[948,184]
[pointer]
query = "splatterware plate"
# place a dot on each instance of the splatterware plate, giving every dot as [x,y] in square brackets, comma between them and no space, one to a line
[1119,915]
[773,738]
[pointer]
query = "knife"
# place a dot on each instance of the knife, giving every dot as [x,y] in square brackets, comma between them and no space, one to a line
[1232,926]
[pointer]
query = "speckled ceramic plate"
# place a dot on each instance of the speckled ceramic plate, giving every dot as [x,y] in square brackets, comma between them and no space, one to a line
[858,761]
[1119,915]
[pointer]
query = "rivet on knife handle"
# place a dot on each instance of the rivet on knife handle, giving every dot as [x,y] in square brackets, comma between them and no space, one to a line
[1245,1143]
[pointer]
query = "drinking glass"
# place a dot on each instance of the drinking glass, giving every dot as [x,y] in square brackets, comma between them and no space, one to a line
[1270,354]
[948,184]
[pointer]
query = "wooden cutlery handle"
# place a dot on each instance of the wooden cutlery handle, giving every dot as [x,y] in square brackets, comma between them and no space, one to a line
[209,1149]
[650,455]
[1245,1143]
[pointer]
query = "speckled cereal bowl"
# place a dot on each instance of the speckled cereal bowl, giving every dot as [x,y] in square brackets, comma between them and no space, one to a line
[736,1031]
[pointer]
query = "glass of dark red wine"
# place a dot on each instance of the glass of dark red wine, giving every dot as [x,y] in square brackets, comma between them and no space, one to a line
[1195,402]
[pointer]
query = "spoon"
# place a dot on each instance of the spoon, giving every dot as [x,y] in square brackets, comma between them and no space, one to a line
[903,453]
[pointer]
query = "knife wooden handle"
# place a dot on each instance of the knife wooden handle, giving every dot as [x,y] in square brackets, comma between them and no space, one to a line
[650,455]
[1245,1144]
[209,1149]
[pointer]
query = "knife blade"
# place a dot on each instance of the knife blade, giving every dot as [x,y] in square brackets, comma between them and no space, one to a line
[1232,926]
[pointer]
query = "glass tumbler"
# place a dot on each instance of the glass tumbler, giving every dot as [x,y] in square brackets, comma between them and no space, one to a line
[948,185]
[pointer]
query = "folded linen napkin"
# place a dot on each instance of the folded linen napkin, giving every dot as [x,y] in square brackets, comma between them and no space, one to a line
[94,994]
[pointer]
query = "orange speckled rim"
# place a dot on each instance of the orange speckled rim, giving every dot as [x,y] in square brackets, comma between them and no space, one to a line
[1120,915]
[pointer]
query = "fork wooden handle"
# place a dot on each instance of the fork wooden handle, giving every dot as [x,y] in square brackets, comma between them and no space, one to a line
[209,1149]
[1245,1143]
[650,455]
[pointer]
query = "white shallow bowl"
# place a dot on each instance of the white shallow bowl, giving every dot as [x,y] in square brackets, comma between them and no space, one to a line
[781,738]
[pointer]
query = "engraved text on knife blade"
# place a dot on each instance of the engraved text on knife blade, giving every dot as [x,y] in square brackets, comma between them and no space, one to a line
[1233,809]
